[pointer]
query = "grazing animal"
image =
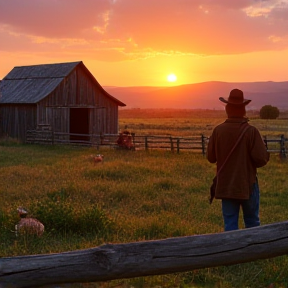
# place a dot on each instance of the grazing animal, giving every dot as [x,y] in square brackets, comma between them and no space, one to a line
[98,159]
[28,225]
[125,140]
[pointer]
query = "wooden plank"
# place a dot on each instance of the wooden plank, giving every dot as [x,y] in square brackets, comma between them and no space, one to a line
[118,261]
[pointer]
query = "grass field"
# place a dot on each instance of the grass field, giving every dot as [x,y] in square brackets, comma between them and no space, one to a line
[133,196]
[192,122]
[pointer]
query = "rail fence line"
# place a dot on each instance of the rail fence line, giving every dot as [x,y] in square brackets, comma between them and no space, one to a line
[138,259]
[173,143]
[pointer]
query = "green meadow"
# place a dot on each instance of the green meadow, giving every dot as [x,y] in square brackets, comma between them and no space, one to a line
[135,196]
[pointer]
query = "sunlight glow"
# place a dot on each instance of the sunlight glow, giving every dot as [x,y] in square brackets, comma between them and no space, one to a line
[171,78]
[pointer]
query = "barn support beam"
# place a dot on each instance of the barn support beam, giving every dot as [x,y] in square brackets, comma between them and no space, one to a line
[119,261]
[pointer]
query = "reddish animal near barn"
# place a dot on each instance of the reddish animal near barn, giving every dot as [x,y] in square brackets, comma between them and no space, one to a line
[125,140]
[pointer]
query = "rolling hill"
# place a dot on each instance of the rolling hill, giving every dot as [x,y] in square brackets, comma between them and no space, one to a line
[202,95]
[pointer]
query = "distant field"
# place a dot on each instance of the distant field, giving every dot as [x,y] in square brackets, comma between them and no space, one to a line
[192,122]
[133,196]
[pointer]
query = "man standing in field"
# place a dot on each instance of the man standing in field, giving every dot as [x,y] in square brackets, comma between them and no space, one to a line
[240,148]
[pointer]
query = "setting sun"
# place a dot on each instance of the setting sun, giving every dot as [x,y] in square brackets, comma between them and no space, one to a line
[171,78]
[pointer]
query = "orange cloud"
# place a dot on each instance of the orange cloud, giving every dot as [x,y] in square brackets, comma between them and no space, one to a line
[128,30]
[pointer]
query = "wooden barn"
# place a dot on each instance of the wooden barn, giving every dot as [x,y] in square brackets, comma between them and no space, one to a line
[61,97]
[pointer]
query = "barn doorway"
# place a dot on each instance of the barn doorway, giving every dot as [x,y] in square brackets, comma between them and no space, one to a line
[79,124]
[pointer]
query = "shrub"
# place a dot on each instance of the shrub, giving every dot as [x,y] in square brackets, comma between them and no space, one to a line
[59,215]
[269,112]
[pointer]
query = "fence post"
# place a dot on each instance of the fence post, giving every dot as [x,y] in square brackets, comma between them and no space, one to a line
[101,138]
[265,141]
[203,144]
[133,138]
[282,148]
[178,145]
[52,137]
[171,143]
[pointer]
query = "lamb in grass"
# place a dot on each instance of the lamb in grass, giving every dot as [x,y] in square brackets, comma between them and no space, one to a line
[28,225]
[98,159]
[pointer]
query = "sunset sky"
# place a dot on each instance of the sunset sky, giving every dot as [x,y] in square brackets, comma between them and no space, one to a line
[141,42]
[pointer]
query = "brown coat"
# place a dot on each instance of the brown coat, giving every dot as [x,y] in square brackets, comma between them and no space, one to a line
[236,179]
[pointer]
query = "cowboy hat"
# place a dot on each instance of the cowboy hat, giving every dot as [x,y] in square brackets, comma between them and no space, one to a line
[235,98]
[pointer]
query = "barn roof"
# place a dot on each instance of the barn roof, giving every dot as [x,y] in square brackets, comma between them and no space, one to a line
[31,84]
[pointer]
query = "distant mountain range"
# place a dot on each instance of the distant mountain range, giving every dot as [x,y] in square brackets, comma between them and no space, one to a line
[202,95]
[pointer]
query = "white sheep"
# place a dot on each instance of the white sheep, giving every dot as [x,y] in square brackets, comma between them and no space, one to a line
[28,225]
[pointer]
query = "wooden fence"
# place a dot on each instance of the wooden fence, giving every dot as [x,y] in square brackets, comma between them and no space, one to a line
[173,143]
[119,261]
[277,145]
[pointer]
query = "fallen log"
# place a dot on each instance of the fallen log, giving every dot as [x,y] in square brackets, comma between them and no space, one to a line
[119,261]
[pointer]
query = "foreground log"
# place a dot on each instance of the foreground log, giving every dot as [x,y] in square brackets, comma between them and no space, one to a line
[157,257]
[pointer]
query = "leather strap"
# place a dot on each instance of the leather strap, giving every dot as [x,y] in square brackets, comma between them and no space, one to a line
[233,148]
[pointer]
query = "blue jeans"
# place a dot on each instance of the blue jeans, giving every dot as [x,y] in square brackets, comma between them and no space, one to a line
[250,208]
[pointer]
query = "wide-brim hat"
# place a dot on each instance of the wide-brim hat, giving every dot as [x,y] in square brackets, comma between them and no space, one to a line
[236,97]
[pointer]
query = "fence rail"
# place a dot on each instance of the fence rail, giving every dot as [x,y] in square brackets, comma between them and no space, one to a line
[155,257]
[173,143]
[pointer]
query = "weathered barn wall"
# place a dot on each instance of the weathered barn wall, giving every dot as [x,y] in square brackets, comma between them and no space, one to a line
[79,90]
[17,119]
[76,89]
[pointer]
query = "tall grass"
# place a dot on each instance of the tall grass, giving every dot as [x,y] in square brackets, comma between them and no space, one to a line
[133,196]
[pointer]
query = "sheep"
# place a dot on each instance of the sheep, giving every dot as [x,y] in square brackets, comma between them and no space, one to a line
[98,158]
[28,225]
